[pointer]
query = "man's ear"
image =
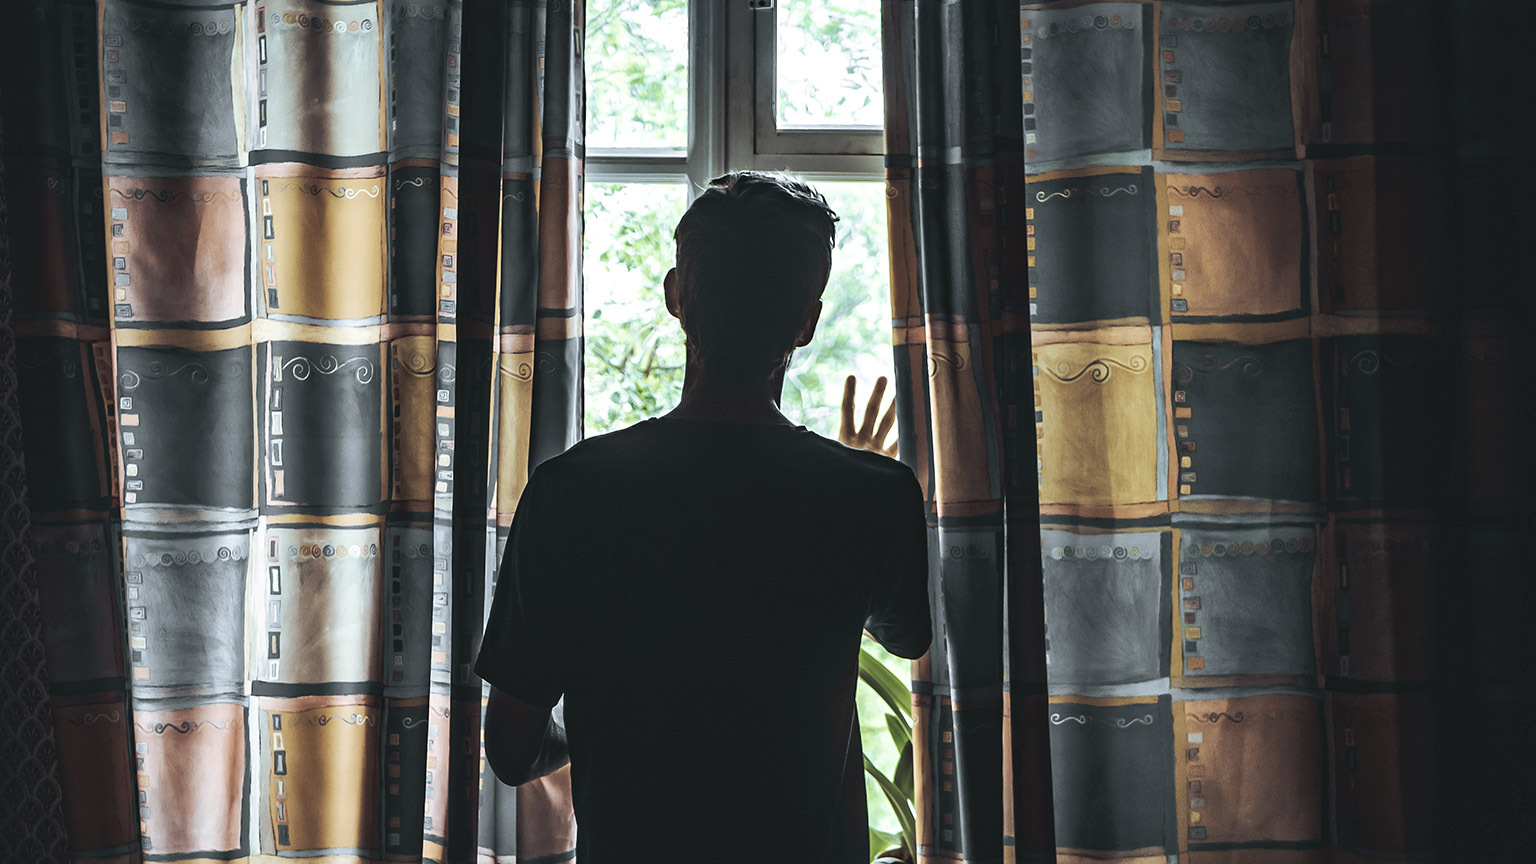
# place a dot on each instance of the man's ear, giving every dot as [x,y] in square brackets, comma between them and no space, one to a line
[669,290]
[809,330]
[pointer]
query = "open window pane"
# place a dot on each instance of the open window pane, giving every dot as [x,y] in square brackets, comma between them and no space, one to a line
[854,333]
[828,64]
[634,348]
[637,74]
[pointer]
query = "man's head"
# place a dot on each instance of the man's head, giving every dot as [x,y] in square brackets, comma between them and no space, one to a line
[753,255]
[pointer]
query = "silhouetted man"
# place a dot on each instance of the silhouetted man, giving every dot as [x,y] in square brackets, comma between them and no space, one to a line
[695,585]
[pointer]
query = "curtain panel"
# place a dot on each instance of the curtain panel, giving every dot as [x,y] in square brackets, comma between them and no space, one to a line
[954,185]
[31,815]
[296,312]
[1196,384]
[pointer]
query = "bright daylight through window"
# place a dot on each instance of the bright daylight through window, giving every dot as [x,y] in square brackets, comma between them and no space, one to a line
[676,96]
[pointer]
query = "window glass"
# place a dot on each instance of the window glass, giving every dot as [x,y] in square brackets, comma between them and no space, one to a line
[634,348]
[637,73]
[854,333]
[828,64]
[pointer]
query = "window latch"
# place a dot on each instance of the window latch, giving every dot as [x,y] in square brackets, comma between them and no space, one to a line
[759,4]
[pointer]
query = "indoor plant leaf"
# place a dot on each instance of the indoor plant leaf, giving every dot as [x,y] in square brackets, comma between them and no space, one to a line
[898,804]
[886,685]
[903,776]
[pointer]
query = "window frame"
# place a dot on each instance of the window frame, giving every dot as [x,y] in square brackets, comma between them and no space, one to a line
[732,121]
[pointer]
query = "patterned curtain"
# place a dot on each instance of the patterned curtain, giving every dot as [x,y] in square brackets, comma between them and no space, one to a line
[954,180]
[1169,278]
[296,307]
[31,812]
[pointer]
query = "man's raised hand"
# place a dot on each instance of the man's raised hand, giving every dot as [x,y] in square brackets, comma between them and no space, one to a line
[867,437]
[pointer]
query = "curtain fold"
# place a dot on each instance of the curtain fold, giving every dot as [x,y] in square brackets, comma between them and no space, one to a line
[296,313]
[955,186]
[30,801]
[1209,249]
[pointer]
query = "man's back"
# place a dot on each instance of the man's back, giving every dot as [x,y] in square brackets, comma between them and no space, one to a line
[696,590]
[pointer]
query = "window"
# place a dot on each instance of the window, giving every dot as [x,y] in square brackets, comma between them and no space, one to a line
[679,93]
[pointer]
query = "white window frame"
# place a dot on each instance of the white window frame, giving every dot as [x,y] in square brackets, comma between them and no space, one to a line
[732,121]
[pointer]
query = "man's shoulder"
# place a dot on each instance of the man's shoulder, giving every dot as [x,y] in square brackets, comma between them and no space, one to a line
[877,466]
[612,453]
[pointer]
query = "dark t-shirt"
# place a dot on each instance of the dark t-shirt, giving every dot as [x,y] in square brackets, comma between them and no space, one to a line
[696,590]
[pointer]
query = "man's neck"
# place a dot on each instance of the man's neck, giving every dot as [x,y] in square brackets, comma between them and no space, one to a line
[704,399]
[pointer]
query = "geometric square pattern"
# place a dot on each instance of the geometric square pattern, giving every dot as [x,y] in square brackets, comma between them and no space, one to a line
[417,84]
[234,275]
[414,202]
[1217,63]
[405,744]
[186,418]
[318,81]
[321,586]
[321,242]
[159,224]
[1384,801]
[186,612]
[1232,236]
[1105,607]
[62,428]
[319,764]
[1246,422]
[1382,435]
[191,809]
[1084,72]
[1250,771]
[1098,423]
[413,637]
[1070,215]
[1245,602]
[323,422]
[1234,244]
[1113,759]
[171,82]
[77,586]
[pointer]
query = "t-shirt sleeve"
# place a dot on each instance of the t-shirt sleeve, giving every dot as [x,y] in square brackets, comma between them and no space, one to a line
[519,654]
[899,616]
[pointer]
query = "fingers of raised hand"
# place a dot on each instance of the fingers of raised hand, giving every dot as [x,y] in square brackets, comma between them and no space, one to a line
[873,408]
[846,431]
[885,424]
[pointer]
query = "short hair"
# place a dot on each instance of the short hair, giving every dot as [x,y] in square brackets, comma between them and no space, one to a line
[754,252]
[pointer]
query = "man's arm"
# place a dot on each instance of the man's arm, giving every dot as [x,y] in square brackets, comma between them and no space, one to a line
[519,655]
[899,615]
[523,741]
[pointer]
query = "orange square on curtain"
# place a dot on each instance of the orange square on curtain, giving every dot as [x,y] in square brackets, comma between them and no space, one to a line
[1262,758]
[413,383]
[1242,242]
[193,808]
[961,470]
[328,765]
[1099,423]
[183,247]
[514,378]
[323,241]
